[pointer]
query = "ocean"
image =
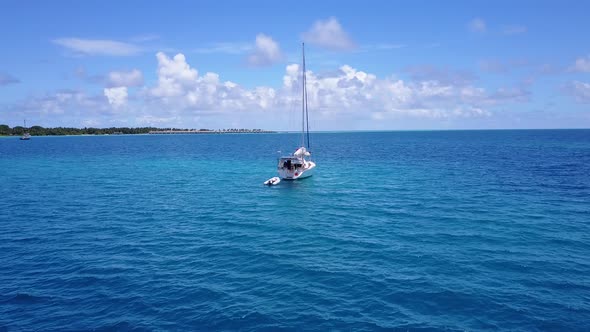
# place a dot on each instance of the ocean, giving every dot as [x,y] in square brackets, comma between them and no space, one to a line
[396,231]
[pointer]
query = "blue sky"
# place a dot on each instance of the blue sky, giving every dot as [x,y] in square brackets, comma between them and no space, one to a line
[373,65]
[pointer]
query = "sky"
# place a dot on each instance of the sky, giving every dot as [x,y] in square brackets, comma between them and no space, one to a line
[371,65]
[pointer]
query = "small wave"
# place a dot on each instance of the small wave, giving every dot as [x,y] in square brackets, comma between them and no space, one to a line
[22,298]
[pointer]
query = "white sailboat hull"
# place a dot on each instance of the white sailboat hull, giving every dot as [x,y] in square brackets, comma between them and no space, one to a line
[295,174]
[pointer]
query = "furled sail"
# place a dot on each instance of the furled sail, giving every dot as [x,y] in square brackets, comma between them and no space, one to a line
[301,152]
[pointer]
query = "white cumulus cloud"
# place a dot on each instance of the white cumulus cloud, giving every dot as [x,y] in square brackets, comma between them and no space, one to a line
[117,97]
[266,52]
[173,75]
[180,86]
[343,98]
[329,34]
[182,90]
[347,92]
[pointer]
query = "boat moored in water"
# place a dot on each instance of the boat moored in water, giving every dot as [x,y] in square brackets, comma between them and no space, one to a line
[272,181]
[296,166]
[299,164]
[26,135]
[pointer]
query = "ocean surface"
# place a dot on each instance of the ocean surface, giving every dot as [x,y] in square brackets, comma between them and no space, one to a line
[402,231]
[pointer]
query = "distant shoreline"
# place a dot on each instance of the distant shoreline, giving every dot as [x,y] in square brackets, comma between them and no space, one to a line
[222,131]
[136,131]
[6,131]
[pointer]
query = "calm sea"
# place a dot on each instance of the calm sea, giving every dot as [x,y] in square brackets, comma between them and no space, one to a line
[406,231]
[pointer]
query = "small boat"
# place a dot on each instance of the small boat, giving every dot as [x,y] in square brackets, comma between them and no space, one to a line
[272,181]
[299,164]
[26,135]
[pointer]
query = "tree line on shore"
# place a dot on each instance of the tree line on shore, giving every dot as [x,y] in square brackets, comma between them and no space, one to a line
[58,131]
[6,130]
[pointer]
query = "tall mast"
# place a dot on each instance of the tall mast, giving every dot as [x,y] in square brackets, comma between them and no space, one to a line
[303,96]
[305,101]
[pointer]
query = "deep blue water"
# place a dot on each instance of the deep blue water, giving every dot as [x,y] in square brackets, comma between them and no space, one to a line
[408,231]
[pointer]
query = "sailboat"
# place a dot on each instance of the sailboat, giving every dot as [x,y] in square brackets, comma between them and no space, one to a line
[26,136]
[299,165]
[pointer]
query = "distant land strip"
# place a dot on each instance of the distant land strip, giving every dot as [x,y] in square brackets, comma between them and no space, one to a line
[6,130]
[207,131]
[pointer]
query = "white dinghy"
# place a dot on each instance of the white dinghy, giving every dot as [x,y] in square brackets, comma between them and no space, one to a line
[272,181]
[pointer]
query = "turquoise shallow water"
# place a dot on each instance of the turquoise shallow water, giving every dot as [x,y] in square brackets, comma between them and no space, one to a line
[417,231]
